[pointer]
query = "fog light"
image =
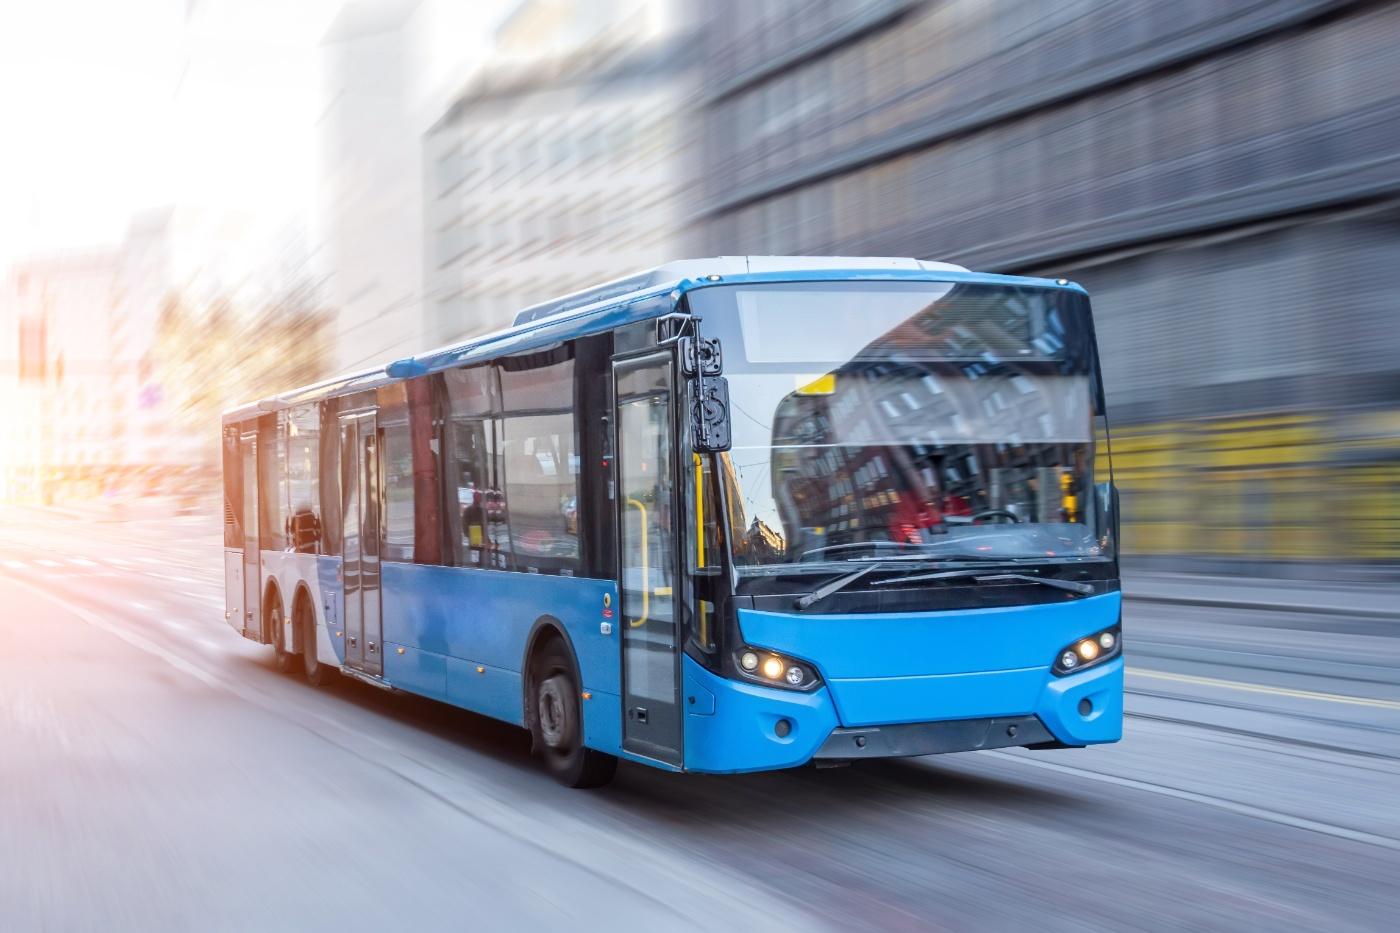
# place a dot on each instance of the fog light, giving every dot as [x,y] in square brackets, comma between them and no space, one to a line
[1069,659]
[772,668]
[748,661]
[1107,641]
[795,676]
[782,728]
[1088,649]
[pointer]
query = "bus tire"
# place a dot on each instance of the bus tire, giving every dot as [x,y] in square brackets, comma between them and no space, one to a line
[286,661]
[557,723]
[316,672]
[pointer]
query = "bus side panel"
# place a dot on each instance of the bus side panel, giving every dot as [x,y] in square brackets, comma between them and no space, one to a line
[330,647]
[483,619]
[233,588]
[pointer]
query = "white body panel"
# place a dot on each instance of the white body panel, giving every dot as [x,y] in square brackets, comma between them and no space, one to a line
[289,571]
[233,588]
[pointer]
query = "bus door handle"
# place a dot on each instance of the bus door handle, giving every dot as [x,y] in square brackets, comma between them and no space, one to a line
[646,567]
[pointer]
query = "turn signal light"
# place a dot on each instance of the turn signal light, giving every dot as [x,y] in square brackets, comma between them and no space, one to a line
[1088,651]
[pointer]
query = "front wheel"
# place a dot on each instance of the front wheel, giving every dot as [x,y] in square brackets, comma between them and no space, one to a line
[558,725]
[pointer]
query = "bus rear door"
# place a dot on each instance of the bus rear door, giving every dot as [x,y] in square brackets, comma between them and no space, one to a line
[252,560]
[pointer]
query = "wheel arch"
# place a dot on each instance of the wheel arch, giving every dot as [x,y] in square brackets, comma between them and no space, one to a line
[546,628]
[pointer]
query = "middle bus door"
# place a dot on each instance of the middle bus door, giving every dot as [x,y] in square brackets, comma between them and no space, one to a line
[252,555]
[360,491]
[648,561]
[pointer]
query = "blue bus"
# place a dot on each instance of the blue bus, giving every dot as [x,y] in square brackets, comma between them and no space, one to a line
[727,515]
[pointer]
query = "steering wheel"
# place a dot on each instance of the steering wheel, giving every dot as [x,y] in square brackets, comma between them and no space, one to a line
[996,513]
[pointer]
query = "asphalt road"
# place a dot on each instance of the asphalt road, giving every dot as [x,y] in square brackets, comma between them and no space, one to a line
[157,773]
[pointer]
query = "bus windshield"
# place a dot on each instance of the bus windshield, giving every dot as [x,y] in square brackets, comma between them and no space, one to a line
[900,419]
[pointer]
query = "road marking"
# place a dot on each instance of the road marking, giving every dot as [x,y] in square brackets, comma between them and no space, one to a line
[1220,803]
[1261,688]
[142,606]
[45,562]
[82,562]
[172,623]
[15,564]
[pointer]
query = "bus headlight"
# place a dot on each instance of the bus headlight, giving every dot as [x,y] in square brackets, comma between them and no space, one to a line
[1088,651]
[774,670]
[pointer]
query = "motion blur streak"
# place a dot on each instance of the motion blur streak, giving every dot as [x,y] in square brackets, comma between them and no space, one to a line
[213,201]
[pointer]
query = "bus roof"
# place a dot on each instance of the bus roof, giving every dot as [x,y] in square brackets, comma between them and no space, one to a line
[622,301]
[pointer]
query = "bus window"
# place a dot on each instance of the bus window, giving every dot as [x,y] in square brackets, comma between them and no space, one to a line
[272,483]
[540,455]
[328,470]
[233,490]
[471,464]
[303,479]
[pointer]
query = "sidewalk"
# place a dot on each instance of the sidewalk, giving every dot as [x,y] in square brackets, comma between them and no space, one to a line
[1354,600]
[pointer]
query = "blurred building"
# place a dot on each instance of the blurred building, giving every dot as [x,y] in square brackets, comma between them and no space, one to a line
[86,413]
[1222,175]
[564,163]
[460,182]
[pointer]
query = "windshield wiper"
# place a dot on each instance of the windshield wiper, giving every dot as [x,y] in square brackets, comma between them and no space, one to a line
[982,576]
[826,589]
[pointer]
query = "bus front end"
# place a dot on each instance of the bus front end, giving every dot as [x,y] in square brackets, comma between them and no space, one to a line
[910,547]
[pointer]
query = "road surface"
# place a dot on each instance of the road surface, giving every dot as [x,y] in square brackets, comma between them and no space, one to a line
[159,774]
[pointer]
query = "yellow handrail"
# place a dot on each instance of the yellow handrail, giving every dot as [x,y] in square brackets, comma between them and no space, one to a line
[699,513]
[646,568]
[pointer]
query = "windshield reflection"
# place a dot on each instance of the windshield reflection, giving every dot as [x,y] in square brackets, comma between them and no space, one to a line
[959,422]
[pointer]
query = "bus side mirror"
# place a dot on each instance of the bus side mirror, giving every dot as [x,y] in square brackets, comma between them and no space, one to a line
[710,415]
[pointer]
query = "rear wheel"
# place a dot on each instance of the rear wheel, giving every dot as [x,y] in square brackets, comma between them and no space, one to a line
[286,661]
[316,672]
[558,723]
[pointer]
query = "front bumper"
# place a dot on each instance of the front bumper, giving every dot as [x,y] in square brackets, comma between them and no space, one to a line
[909,739]
[733,726]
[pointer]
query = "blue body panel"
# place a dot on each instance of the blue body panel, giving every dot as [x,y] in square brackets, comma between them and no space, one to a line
[904,667]
[463,636]
[453,620]
[331,596]
[924,666]
[738,735]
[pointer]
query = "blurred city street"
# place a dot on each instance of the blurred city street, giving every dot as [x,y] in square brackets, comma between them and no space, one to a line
[232,231]
[160,773]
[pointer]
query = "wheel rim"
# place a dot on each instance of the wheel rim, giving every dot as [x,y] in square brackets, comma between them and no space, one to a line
[553,714]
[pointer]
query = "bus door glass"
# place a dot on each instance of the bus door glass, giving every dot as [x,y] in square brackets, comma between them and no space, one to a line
[646,503]
[252,560]
[361,508]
